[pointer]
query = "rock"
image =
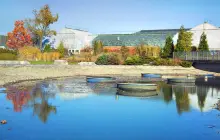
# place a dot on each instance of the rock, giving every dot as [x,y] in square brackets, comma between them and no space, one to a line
[3,122]
[60,62]
[8,62]
[217,106]
[86,63]
[25,63]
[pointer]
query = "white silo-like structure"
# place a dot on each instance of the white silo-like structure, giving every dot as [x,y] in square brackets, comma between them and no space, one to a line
[212,32]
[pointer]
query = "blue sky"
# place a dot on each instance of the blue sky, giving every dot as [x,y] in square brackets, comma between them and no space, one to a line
[115,16]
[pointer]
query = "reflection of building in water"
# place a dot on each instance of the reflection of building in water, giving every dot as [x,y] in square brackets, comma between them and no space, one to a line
[103,88]
[67,89]
[72,96]
[19,97]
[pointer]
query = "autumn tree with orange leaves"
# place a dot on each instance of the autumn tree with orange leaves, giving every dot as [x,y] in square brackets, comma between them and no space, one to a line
[19,37]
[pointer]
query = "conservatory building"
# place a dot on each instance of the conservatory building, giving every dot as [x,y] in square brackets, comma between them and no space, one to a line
[74,40]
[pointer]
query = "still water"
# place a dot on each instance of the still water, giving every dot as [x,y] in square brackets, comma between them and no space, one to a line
[72,109]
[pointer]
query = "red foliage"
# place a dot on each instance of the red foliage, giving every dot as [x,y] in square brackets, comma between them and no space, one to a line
[117,49]
[19,37]
[112,49]
[86,49]
[132,50]
[18,97]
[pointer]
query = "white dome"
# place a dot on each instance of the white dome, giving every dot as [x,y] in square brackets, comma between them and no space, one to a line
[212,32]
[205,26]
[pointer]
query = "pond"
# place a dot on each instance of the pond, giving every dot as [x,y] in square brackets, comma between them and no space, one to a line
[73,109]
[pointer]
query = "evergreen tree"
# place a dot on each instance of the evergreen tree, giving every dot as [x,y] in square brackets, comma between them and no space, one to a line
[168,48]
[97,47]
[184,41]
[179,45]
[203,44]
[61,49]
[47,48]
[124,52]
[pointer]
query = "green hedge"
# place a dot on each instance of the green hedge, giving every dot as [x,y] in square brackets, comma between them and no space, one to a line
[108,59]
[7,56]
[186,64]
[8,51]
[137,60]
[134,60]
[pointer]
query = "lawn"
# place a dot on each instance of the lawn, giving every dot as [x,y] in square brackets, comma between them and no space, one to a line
[72,63]
[41,62]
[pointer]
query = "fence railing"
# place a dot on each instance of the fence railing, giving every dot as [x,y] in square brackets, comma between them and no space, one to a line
[198,55]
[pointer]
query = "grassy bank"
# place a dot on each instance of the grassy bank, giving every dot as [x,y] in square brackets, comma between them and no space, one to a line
[41,62]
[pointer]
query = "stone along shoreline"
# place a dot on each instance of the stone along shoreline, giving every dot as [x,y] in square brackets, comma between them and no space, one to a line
[15,73]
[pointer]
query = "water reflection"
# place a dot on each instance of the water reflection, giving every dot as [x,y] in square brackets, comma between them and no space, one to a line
[167,92]
[41,93]
[18,97]
[103,88]
[182,99]
[41,97]
[38,95]
[187,96]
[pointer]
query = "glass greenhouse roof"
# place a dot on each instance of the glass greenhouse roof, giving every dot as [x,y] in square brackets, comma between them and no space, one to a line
[148,37]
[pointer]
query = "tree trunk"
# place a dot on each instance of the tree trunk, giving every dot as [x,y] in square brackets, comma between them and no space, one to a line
[41,38]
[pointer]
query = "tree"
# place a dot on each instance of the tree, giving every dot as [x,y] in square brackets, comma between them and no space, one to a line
[19,37]
[124,52]
[97,47]
[168,48]
[40,25]
[184,41]
[203,44]
[61,49]
[141,50]
[47,48]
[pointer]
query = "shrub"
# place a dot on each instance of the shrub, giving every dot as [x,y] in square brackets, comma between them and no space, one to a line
[97,47]
[86,49]
[186,64]
[8,51]
[113,59]
[108,59]
[124,52]
[149,51]
[161,61]
[133,60]
[47,48]
[193,48]
[7,56]
[48,56]
[102,60]
[148,60]
[28,53]
[61,49]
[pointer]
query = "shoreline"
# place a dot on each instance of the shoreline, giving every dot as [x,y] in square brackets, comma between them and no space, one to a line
[18,73]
